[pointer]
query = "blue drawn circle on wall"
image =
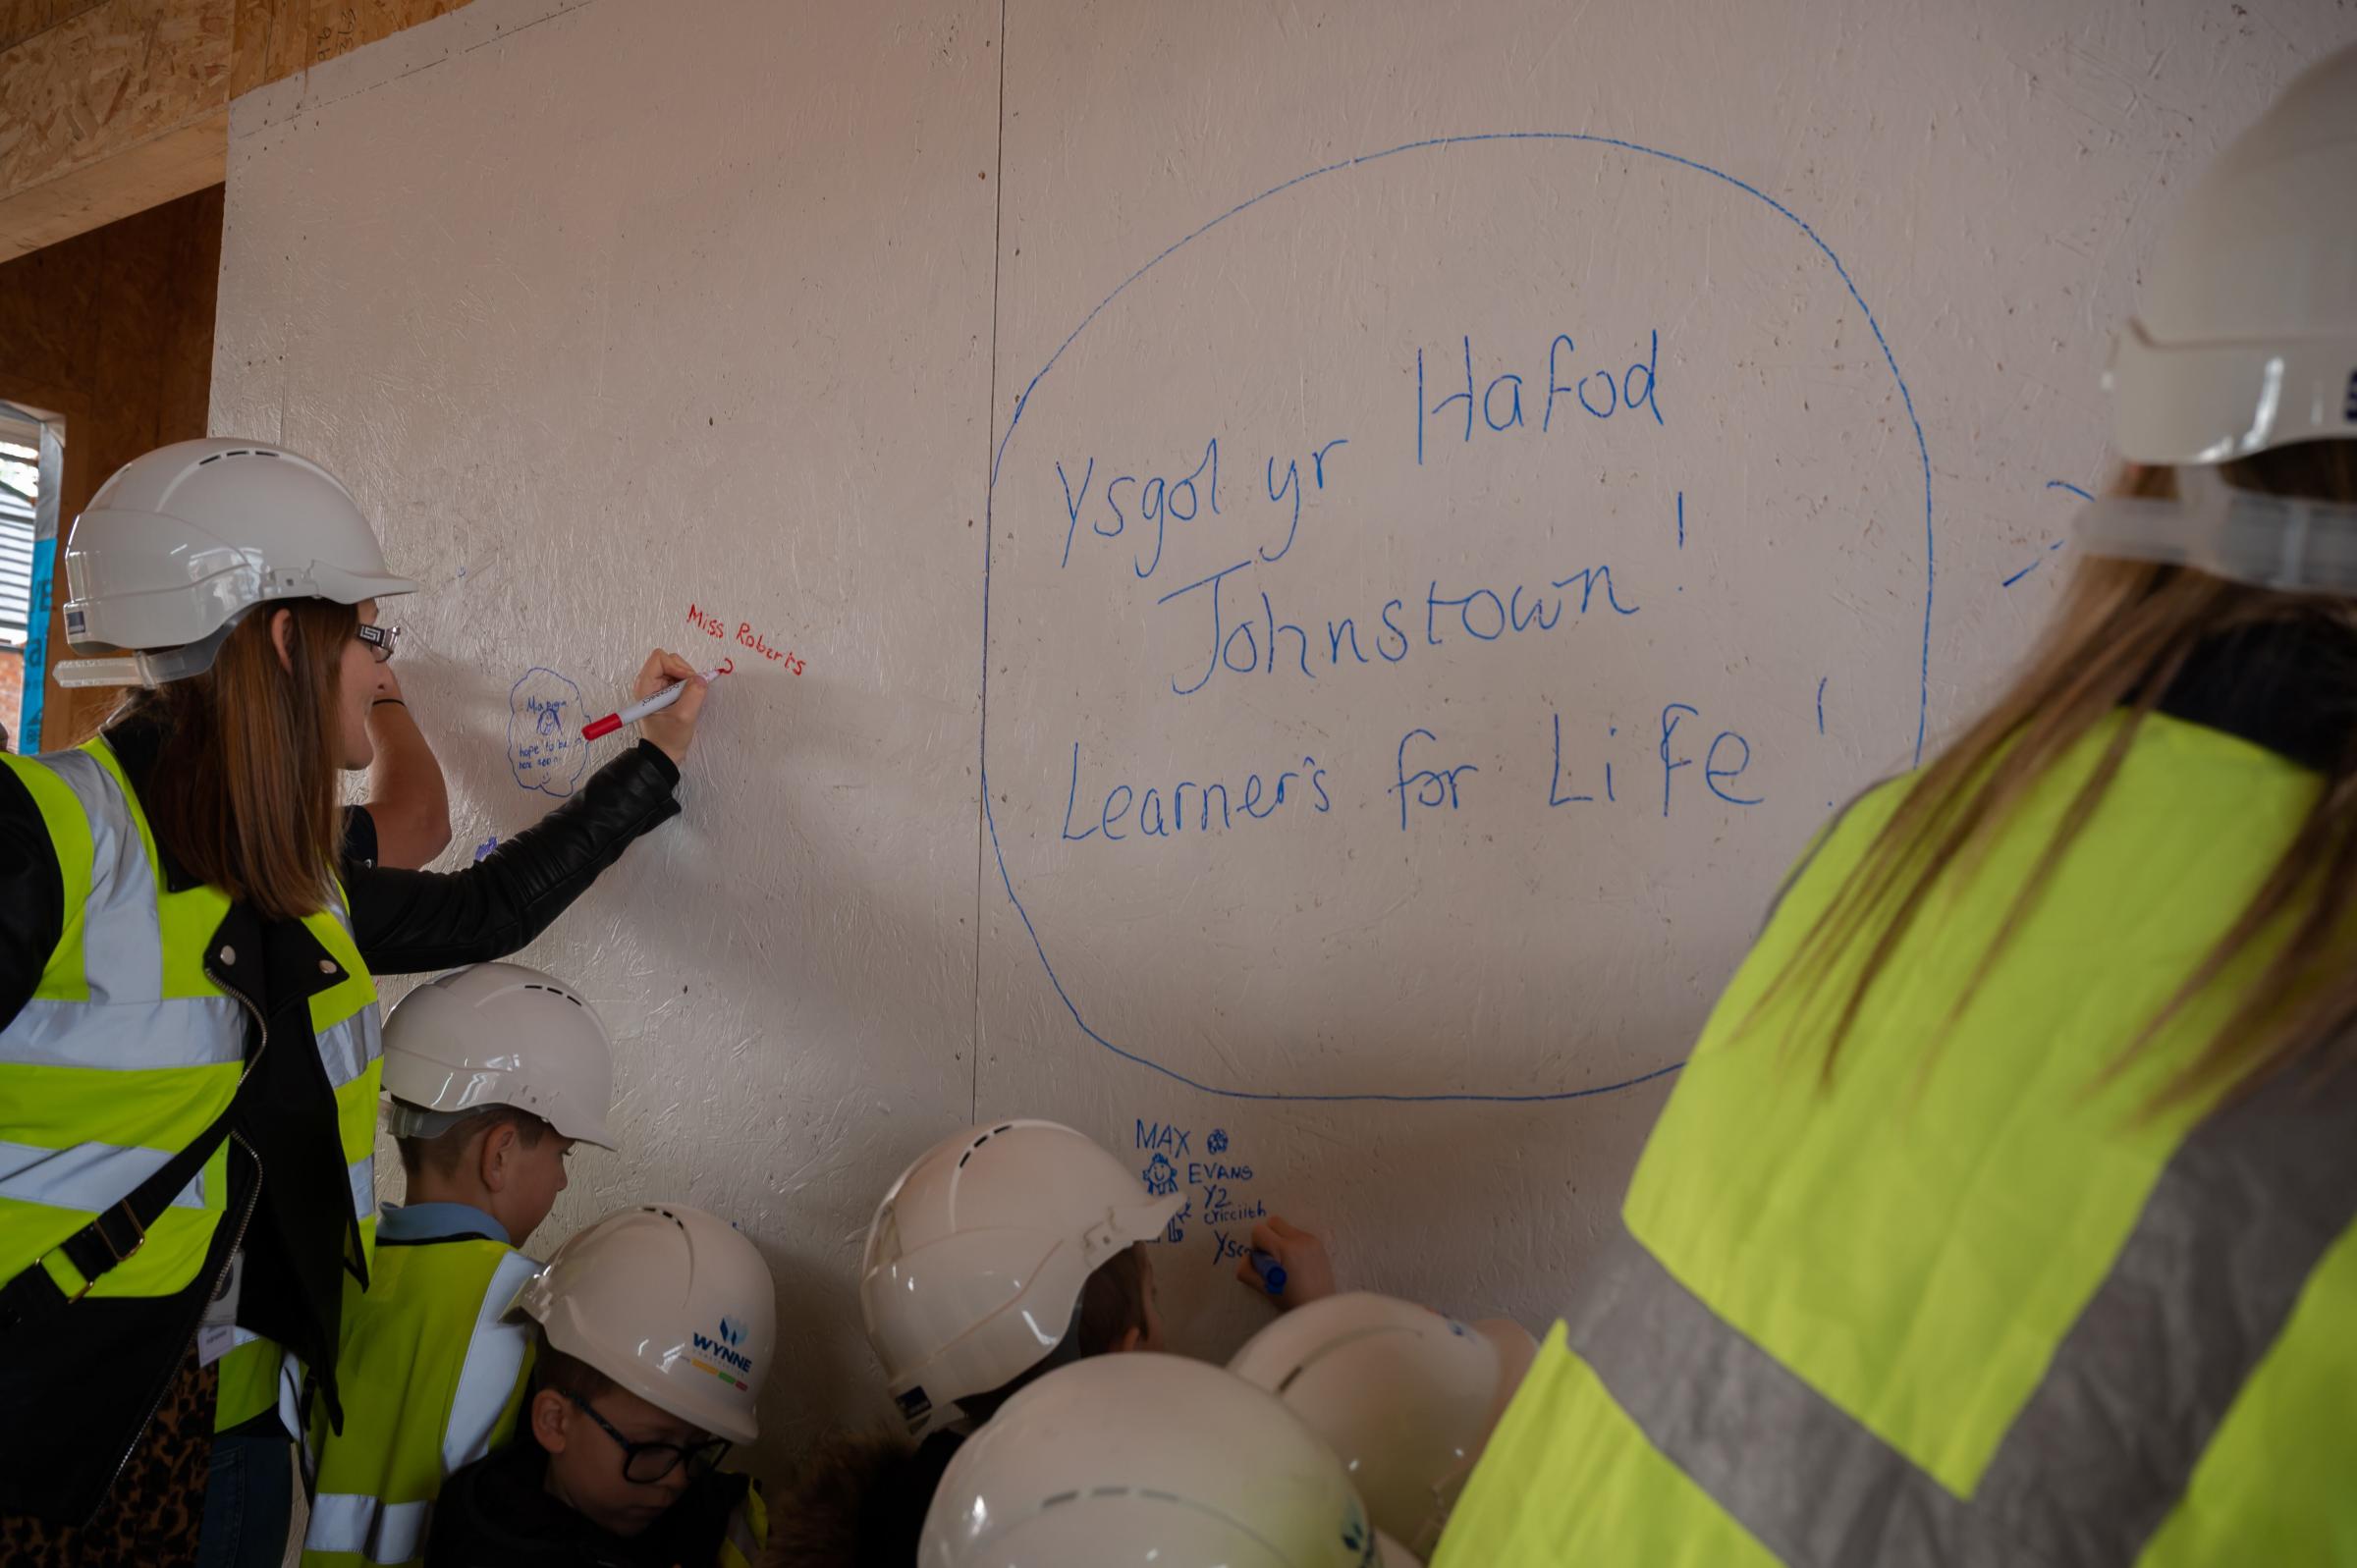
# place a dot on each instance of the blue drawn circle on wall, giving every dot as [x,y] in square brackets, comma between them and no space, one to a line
[1429,144]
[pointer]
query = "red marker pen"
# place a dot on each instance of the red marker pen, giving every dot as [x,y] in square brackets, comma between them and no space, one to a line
[636,711]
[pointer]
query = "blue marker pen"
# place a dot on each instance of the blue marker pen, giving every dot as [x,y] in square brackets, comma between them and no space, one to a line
[1271,1272]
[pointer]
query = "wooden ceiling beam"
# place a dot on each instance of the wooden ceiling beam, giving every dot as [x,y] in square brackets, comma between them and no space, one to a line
[110,107]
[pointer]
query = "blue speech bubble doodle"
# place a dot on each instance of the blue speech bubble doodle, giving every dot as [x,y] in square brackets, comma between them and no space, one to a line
[545,747]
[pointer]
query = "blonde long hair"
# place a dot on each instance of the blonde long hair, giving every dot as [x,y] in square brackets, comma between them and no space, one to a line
[2123,633]
[244,791]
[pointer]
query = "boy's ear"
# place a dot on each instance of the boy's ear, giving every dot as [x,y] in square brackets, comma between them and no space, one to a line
[491,1157]
[551,1414]
[1128,1341]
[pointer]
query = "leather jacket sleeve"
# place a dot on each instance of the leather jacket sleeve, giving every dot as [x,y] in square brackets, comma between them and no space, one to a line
[31,896]
[408,921]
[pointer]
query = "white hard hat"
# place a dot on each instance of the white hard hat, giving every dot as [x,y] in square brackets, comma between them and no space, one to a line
[978,1255]
[2246,336]
[1145,1459]
[671,1303]
[179,542]
[1405,1397]
[499,1034]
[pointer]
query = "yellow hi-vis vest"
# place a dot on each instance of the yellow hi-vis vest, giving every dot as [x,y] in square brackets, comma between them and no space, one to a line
[128,1052]
[1968,1304]
[749,1532]
[433,1380]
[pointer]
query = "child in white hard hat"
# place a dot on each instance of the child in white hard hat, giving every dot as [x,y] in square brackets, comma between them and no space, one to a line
[1404,1396]
[994,1234]
[493,1073]
[1176,1461]
[657,1325]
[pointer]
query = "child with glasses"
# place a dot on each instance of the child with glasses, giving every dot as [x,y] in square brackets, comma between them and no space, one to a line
[656,1326]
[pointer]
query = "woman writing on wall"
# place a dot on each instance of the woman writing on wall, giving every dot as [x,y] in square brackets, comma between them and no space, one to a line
[2003,1214]
[187,1023]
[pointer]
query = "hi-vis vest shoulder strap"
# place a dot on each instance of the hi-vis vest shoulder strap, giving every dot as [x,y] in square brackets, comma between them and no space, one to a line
[1970,1304]
[128,1051]
[256,1375]
[434,1379]
[748,1531]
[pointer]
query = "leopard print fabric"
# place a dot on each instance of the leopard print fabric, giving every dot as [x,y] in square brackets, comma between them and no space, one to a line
[153,1517]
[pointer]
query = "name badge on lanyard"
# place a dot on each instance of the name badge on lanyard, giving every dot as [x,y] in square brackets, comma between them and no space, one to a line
[217,1329]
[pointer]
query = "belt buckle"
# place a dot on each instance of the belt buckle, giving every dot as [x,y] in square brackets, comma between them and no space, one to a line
[121,1254]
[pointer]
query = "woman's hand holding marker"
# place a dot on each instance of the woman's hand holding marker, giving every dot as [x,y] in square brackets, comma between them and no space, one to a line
[673,730]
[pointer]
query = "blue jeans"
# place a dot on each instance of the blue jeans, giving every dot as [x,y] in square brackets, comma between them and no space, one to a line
[248,1500]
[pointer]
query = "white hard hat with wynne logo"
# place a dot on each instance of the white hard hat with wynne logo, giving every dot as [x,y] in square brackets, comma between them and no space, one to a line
[671,1303]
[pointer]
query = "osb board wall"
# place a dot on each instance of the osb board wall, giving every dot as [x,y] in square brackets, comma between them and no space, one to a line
[275,38]
[113,329]
[107,79]
[21,19]
[113,105]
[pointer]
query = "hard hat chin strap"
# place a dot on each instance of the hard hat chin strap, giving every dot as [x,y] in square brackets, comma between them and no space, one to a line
[2289,543]
[152,666]
[404,1120]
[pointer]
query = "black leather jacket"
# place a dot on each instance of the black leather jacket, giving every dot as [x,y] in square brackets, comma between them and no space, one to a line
[290,1200]
[404,922]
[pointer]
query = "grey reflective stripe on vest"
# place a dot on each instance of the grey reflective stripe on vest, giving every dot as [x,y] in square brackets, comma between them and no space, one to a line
[350,1047]
[2102,1449]
[354,1522]
[362,1173]
[122,944]
[126,1025]
[347,1049]
[2242,1215]
[89,1176]
[494,1363]
[741,1535]
[175,1032]
[291,1375]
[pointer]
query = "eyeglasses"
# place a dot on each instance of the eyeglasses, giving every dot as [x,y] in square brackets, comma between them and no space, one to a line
[646,1462]
[380,640]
